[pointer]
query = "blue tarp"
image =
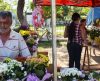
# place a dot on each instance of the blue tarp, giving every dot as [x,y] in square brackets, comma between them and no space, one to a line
[96,15]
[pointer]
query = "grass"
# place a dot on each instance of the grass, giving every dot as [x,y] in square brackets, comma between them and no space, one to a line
[60,27]
[59,31]
[48,44]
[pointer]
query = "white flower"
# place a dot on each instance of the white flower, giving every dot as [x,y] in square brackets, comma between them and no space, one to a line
[70,72]
[13,74]
[90,76]
[79,73]
[25,73]
[22,68]
[3,67]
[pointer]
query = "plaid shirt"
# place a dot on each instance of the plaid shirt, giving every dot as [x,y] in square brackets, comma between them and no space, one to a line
[78,37]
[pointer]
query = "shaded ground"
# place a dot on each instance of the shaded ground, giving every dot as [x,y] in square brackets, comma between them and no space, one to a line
[62,54]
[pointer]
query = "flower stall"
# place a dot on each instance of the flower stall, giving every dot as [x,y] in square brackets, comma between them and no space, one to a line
[35,69]
[32,69]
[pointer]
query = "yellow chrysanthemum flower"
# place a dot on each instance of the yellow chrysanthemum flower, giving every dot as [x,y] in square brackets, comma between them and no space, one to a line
[24,32]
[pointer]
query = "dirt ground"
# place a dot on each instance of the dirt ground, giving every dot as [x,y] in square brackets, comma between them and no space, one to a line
[62,55]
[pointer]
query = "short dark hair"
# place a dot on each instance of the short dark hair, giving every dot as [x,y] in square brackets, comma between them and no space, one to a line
[75,16]
[5,14]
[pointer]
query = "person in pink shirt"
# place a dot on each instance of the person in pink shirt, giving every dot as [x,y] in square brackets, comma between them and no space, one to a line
[83,31]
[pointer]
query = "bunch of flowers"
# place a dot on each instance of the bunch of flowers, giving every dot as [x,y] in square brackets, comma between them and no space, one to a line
[12,69]
[94,76]
[95,32]
[32,44]
[71,74]
[36,67]
[94,36]
[24,33]
[37,16]
[31,39]
[33,69]
[3,69]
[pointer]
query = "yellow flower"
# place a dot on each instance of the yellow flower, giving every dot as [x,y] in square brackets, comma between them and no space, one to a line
[40,59]
[24,32]
[7,59]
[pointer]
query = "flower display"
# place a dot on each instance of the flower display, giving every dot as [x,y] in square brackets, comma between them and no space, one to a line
[69,74]
[15,69]
[3,67]
[94,32]
[37,15]
[37,65]
[25,33]
[94,76]
[12,69]
[32,44]
[34,68]
[31,39]
[94,36]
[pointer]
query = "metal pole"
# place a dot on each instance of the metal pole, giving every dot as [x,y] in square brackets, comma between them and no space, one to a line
[54,55]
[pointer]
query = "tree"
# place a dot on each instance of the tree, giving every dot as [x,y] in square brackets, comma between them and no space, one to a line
[4,5]
[20,14]
[85,11]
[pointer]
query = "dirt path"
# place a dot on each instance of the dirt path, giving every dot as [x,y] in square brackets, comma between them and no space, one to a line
[62,56]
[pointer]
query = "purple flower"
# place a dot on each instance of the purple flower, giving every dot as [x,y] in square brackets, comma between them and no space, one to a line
[34,47]
[24,27]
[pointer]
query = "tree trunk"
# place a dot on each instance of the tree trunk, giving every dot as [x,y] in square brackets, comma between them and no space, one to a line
[21,17]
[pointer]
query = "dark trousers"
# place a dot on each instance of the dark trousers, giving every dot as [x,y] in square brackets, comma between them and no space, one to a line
[74,51]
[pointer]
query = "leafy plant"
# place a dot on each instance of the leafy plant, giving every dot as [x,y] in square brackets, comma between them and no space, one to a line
[37,65]
[94,33]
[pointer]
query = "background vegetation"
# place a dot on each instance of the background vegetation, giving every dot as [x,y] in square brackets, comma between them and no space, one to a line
[63,12]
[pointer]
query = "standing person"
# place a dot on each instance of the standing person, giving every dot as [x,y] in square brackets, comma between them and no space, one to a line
[83,30]
[74,44]
[11,43]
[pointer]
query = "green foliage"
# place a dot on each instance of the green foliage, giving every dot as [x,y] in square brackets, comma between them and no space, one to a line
[94,33]
[32,5]
[4,5]
[96,75]
[65,10]
[47,11]
[84,11]
[40,71]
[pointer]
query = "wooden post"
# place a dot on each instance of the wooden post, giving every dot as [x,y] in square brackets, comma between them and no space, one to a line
[88,58]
